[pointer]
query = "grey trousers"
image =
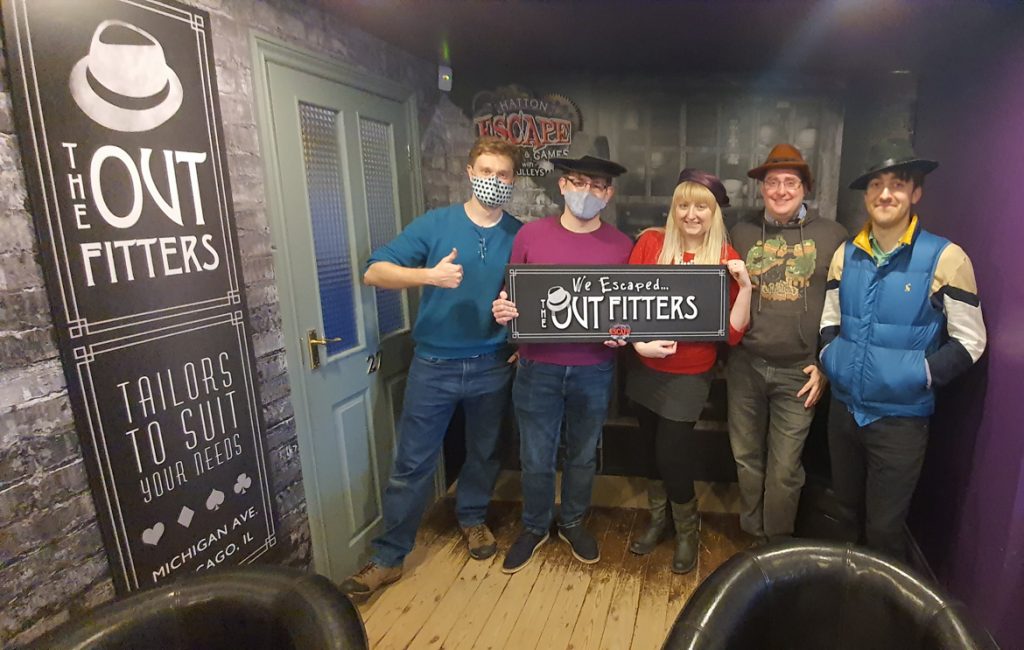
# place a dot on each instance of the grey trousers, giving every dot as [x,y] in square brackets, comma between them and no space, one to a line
[768,426]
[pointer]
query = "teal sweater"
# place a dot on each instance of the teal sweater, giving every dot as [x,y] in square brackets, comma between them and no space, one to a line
[456,323]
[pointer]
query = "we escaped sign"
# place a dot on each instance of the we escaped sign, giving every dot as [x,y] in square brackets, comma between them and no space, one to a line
[636,303]
[117,115]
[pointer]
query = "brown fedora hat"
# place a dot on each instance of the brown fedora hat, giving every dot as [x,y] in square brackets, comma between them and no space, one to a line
[784,156]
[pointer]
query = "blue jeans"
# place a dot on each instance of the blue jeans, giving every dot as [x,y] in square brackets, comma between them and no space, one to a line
[433,389]
[543,394]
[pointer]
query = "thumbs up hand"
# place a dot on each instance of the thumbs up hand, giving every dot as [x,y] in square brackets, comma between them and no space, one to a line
[446,273]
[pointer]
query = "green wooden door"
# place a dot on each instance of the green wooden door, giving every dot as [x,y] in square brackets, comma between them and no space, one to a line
[342,161]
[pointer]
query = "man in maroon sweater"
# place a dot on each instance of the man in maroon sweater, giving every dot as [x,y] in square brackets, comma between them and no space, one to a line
[563,380]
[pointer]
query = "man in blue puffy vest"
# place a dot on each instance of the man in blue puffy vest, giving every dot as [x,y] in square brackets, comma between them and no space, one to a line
[901,317]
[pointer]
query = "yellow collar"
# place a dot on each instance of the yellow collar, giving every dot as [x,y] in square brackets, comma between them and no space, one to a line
[863,242]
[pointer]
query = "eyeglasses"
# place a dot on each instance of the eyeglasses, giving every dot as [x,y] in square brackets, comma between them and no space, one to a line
[482,246]
[789,183]
[581,184]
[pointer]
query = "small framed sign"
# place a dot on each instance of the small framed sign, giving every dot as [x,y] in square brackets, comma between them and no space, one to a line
[634,302]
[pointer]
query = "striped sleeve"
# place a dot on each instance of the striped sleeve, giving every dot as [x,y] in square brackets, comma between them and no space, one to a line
[955,292]
[830,314]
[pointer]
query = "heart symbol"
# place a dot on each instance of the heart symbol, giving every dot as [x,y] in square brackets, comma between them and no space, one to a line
[152,535]
[243,484]
[214,500]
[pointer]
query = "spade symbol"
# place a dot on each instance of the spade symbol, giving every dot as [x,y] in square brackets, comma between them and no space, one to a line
[215,499]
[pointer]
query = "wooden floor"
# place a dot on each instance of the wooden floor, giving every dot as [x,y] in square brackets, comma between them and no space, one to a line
[447,600]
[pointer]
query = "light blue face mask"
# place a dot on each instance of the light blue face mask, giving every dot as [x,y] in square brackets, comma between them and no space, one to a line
[583,204]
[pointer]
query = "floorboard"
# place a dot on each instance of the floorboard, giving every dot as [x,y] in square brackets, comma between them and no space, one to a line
[447,600]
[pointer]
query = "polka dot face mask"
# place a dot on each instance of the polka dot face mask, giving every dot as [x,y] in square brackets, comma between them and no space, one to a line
[490,191]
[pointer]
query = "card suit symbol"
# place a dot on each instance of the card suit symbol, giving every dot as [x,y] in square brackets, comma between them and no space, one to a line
[152,535]
[243,484]
[186,515]
[214,500]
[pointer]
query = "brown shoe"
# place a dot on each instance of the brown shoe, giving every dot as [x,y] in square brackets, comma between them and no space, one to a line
[369,579]
[481,542]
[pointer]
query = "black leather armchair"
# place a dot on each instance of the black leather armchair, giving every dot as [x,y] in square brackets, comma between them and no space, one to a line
[249,607]
[821,596]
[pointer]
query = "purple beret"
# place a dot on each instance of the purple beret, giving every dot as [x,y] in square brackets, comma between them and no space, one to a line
[710,181]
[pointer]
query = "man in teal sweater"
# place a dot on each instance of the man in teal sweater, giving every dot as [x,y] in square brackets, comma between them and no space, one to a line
[457,255]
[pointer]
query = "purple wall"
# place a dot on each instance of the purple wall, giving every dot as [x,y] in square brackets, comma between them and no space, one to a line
[968,515]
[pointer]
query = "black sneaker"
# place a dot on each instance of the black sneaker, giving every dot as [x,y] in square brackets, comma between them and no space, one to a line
[522,550]
[582,543]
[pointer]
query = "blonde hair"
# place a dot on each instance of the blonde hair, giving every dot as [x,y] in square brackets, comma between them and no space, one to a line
[712,250]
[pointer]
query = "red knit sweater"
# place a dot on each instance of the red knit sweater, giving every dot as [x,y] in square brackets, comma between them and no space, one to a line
[689,358]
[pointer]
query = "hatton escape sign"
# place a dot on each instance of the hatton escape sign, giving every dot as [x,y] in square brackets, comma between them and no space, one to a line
[117,113]
[542,127]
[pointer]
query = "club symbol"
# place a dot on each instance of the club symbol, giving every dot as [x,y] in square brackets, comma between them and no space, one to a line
[152,535]
[214,501]
[243,484]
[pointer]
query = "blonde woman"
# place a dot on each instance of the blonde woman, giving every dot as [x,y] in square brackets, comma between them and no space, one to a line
[671,383]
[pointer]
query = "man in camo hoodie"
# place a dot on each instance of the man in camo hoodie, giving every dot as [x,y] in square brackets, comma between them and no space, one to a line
[773,378]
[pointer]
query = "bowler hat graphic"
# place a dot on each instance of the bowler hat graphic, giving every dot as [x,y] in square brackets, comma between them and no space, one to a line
[124,83]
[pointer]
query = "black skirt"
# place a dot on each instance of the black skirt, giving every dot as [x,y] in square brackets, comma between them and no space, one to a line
[670,395]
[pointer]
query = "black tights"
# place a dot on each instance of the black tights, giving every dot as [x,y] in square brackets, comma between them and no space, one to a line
[671,456]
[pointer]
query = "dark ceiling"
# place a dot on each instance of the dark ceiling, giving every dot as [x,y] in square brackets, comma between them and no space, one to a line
[685,36]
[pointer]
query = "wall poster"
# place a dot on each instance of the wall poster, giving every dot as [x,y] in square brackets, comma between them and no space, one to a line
[119,123]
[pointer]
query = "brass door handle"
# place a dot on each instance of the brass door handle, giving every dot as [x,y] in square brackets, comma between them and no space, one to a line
[312,341]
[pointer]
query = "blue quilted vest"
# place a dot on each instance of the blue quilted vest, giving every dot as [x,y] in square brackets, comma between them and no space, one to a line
[889,325]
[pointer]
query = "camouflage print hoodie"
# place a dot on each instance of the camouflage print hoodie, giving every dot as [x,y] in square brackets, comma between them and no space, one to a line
[788,267]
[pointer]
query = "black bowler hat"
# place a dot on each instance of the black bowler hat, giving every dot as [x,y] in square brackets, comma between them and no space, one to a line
[590,166]
[889,156]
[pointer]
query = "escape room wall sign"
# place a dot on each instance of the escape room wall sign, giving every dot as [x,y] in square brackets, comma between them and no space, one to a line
[117,114]
[542,127]
[635,303]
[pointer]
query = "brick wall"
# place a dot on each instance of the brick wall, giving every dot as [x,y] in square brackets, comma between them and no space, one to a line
[52,562]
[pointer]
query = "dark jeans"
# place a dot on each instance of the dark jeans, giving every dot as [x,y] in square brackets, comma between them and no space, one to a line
[433,389]
[874,472]
[543,394]
[673,456]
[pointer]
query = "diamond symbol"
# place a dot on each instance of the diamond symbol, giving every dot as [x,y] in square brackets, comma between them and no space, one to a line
[185,517]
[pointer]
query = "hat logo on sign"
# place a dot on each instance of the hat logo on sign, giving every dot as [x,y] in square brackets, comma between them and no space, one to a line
[124,83]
